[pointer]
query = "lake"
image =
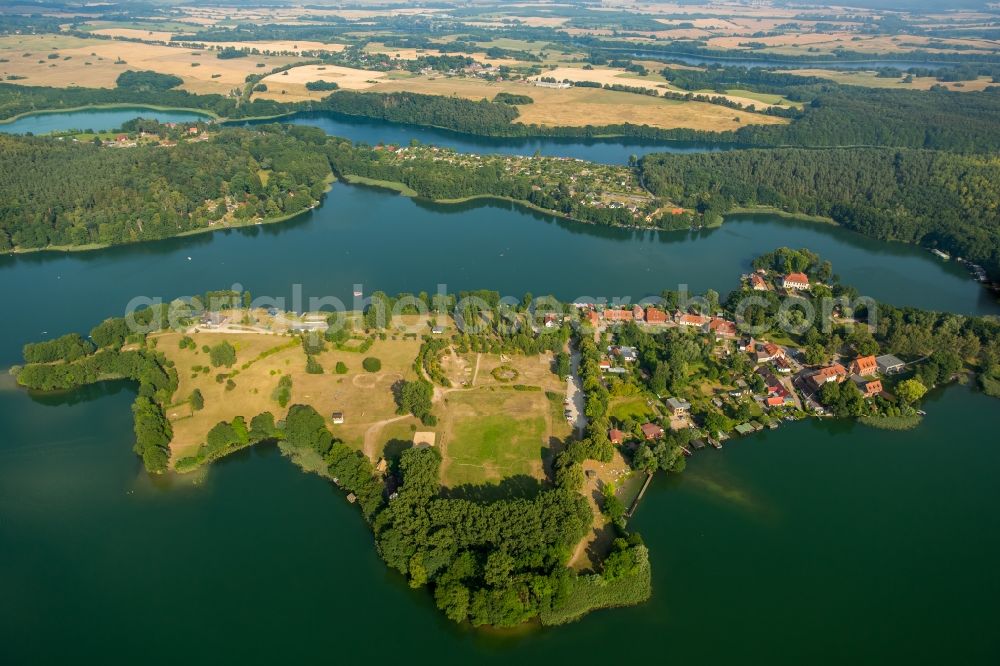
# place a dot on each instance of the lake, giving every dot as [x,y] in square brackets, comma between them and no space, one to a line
[389,242]
[821,542]
[606,151]
[97,119]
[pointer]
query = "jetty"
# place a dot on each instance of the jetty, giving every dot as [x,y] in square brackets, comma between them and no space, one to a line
[638,498]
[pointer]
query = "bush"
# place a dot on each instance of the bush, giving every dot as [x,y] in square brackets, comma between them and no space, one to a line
[312,366]
[223,354]
[147,81]
[371,364]
[510,98]
[322,85]
[283,392]
[341,368]
[505,373]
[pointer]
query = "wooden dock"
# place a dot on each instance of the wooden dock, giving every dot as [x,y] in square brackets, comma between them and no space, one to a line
[638,498]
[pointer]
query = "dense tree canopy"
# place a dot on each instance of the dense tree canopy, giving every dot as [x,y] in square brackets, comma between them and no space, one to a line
[910,195]
[62,193]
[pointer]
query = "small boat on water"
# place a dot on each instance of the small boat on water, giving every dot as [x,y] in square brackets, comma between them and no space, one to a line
[357,294]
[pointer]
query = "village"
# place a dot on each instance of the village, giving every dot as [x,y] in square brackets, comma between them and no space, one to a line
[140,132]
[761,382]
[572,183]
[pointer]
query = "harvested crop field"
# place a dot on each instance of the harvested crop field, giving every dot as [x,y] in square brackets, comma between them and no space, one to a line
[290,85]
[869,79]
[577,107]
[97,63]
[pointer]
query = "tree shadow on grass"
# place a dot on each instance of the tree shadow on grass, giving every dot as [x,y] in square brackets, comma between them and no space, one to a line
[519,486]
[393,449]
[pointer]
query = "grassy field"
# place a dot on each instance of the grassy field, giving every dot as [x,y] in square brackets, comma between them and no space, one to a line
[630,408]
[97,63]
[486,433]
[365,398]
[576,107]
[868,79]
[492,434]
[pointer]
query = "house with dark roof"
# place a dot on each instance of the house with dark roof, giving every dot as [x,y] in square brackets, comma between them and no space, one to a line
[889,364]
[678,406]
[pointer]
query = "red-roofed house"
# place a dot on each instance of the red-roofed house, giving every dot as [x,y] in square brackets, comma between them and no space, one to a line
[768,352]
[795,281]
[692,320]
[654,316]
[594,318]
[651,431]
[831,373]
[869,388]
[864,366]
[616,436]
[617,315]
[757,283]
[722,327]
[783,365]
[637,313]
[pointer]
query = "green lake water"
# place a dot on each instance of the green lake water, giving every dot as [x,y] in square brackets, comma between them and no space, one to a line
[819,543]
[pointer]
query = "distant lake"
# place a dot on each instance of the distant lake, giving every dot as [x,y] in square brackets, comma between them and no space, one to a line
[605,150]
[373,131]
[97,119]
[777,61]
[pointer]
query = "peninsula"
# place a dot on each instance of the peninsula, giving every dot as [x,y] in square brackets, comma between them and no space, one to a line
[429,413]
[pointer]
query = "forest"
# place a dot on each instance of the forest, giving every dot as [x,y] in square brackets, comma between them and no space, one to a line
[61,193]
[934,198]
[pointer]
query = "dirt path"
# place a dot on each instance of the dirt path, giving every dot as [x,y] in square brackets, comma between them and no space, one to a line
[370,442]
[475,373]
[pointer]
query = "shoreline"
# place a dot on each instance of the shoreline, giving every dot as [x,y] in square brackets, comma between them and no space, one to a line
[222,120]
[110,107]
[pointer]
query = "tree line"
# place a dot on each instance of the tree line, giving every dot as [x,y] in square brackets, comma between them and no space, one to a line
[918,196]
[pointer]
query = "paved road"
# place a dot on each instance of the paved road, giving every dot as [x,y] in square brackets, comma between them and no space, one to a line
[574,394]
